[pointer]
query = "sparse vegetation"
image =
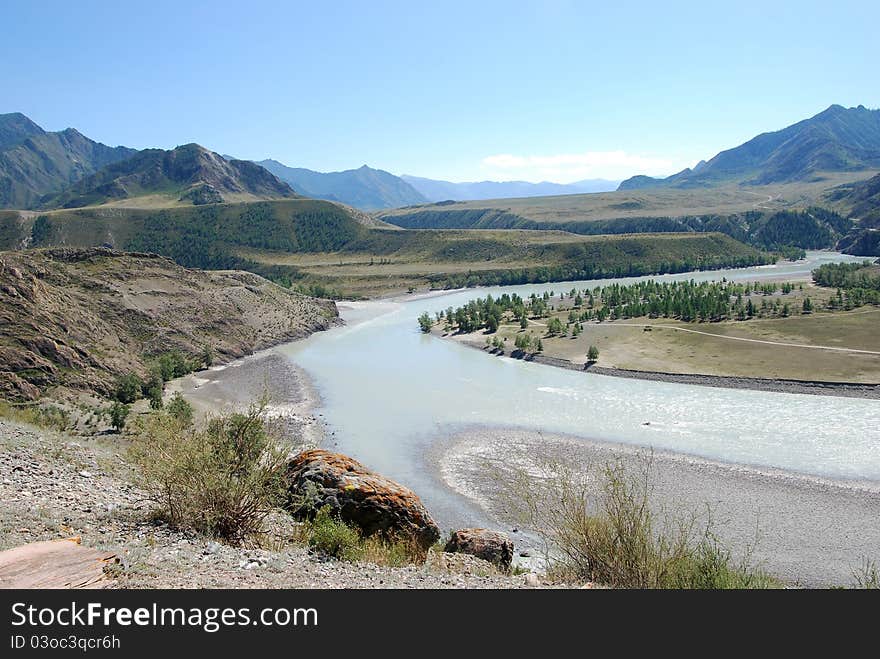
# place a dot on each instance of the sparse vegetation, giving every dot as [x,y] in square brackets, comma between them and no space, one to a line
[44,416]
[222,480]
[331,536]
[607,530]
[867,577]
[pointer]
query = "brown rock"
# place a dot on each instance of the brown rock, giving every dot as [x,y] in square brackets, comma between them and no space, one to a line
[13,387]
[491,546]
[360,497]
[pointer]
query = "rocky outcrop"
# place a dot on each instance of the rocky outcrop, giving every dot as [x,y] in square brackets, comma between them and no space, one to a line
[360,497]
[491,546]
[79,318]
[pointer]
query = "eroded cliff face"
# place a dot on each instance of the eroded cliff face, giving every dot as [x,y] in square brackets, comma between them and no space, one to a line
[78,318]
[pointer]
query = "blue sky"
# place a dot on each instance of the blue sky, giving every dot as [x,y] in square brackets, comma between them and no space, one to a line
[556,89]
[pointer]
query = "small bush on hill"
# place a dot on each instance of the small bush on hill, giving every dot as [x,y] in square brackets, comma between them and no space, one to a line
[128,388]
[118,415]
[180,409]
[222,480]
[329,535]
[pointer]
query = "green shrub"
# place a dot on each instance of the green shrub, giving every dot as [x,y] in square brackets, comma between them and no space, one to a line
[222,480]
[128,388]
[118,415]
[173,364]
[180,409]
[333,537]
[153,391]
[618,539]
[329,535]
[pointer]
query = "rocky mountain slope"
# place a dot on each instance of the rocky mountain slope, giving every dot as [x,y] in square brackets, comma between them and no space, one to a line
[836,140]
[79,318]
[862,201]
[364,188]
[34,162]
[189,174]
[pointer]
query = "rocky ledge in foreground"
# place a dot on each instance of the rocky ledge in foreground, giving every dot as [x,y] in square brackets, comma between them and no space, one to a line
[79,318]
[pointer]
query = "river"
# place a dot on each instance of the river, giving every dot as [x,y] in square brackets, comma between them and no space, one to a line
[390,394]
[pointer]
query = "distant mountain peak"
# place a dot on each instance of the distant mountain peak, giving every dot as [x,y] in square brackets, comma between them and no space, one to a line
[438,190]
[364,188]
[836,139]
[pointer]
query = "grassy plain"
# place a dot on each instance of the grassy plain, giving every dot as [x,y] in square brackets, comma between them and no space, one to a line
[386,262]
[724,199]
[672,346]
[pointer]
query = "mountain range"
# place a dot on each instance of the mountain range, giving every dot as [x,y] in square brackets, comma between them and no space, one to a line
[34,162]
[435,190]
[364,188]
[41,170]
[836,140]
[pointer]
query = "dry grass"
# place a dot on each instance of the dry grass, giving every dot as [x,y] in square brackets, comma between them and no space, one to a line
[43,416]
[603,527]
[223,480]
[723,199]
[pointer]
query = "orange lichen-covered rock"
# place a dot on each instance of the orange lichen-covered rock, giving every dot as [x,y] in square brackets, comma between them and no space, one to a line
[360,497]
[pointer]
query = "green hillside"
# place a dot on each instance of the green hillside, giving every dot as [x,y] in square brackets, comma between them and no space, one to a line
[861,200]
[380,262]
[809,228]
[326,248]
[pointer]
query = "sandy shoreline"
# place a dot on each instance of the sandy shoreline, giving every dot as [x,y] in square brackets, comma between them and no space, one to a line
[293,398]
[778,385]
[810,531]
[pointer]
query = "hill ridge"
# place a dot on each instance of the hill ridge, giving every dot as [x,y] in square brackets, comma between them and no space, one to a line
[189,173]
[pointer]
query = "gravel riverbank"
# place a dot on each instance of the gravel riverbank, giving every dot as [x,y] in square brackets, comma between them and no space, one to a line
[54,486]
[808,531]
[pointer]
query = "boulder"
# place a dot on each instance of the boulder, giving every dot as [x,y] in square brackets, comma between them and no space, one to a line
[491,546]
[361,498]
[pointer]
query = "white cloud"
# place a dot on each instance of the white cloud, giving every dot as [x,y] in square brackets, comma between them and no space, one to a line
[569,167]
